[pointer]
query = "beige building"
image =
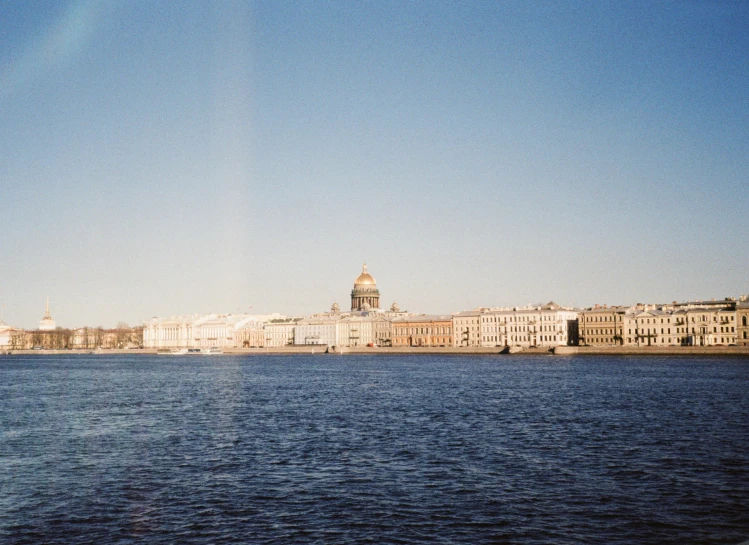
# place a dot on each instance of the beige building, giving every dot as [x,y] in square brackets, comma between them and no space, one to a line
[249,333]
[653,327]
[467,328]
[602,326]
[279,333]
[423,331]
[706,326]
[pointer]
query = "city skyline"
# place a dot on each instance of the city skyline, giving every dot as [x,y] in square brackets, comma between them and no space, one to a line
[164,159]
[48,322]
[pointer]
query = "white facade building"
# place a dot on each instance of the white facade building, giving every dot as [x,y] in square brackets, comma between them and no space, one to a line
[172,332]
[202,331]
[317,330]
[354,331]
[11,337]
[279,334]
[364,329]
[546,326]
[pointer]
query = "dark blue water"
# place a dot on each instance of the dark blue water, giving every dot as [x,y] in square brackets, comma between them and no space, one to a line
[355,449]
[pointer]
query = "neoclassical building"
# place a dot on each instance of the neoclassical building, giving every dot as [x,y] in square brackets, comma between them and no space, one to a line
[742,322]
[467,328]
[423,331]
[365,295]
[206,330]
[549,325]
[11,337]
[603,326]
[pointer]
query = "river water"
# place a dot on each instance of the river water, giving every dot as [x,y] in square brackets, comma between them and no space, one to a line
[374,449]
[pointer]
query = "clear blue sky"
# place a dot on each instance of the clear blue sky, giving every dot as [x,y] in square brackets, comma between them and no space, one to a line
[159,158]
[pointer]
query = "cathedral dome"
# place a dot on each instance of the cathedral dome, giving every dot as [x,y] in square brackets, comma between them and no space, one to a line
[365,293]
[364,278]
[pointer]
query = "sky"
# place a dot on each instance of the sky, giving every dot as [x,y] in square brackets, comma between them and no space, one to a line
[166,157]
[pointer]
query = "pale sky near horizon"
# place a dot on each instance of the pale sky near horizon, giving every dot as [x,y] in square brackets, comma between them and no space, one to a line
[161,158]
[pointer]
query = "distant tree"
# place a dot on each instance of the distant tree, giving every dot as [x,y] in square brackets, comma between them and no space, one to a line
[18,339]
[136,336]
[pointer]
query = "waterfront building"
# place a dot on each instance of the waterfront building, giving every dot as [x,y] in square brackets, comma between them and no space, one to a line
[279,333]
[363,329]
[11,337]
[707,326]
[172,332]
[652,327]
[422,330]
[545,326]
[365,295]
[467,328]
[87,337]
[249,333]
[742,322]
[354,330]
[322,330]
[201,331]
[215,330]
[47,323]
[602,326]
[382,330]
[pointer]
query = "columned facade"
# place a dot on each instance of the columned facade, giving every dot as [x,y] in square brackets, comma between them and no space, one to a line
[365,295]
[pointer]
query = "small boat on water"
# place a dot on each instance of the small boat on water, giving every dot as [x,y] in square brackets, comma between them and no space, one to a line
[178,351]
[212,351]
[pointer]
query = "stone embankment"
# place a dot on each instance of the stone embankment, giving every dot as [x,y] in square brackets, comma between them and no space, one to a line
[652,351]
[426,350]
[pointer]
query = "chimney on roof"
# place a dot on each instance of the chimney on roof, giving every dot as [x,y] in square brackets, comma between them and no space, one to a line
[596,306]
[605,306]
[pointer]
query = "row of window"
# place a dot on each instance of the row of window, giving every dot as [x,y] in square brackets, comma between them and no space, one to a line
[423,331]
[441,341]
[702,318]
[664,340]
[542,338]
[531,318]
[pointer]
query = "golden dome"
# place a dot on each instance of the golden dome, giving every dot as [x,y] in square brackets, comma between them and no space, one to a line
[364,278]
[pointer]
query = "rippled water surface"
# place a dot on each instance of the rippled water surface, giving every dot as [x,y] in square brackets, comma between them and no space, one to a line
[355,449]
